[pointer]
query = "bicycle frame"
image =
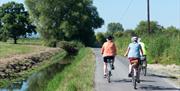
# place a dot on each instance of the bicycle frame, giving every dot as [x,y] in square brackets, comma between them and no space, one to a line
[135,74]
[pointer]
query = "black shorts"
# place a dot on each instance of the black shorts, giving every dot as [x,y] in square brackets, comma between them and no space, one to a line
[108,57]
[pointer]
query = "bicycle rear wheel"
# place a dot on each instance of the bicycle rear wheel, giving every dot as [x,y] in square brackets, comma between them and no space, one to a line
[144,68]
[108,77]
[134,79]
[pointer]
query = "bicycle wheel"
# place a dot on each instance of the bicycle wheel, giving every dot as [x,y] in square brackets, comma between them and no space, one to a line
[133,79]
[108,77]
[109,68]
[144,68]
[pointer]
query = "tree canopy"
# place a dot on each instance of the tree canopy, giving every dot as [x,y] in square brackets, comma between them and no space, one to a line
[14,21]
[65,19]
[143,29]
[114,27]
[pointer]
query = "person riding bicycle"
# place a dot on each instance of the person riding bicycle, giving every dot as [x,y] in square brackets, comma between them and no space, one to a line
[108,51]
[143,49]
[133,53]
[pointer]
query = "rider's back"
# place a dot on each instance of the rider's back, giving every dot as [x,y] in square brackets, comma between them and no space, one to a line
[108,49]
[134,50]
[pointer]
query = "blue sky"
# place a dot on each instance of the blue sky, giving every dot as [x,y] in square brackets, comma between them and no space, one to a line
[130,12]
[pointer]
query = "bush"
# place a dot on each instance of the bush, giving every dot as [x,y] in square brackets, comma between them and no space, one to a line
[50,43]
[71,48]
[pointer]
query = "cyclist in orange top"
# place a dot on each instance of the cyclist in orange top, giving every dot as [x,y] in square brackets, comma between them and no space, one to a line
[109,52]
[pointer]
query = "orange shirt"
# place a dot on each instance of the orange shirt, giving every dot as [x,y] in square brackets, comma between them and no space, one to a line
[108,49]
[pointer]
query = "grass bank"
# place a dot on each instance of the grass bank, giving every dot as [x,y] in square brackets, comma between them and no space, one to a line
[78,76]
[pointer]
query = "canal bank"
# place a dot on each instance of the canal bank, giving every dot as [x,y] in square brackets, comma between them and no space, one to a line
[19,68]
[65,74]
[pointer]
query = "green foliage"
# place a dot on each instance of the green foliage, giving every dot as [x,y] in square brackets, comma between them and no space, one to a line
[162,47]
[129,33]
[142,27]
[14,21]
[65,19]
[100,37]
[78,76]
[71,48]
[114,27]
[157,46]
[171,30]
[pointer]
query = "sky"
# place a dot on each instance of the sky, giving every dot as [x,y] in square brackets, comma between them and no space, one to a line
[130,12]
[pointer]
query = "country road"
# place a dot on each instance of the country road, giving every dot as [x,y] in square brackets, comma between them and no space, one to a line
[121,82]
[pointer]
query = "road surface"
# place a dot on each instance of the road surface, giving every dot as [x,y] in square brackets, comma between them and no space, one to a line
[121,82]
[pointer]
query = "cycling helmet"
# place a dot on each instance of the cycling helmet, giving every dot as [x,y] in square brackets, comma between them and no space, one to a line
[134,39]
[109,37]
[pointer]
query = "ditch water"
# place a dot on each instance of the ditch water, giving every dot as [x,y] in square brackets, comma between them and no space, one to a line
[39,80]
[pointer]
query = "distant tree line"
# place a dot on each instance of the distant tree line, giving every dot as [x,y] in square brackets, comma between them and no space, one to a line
[117,30]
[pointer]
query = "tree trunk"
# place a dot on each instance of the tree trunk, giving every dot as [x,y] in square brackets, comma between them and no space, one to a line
[15,40]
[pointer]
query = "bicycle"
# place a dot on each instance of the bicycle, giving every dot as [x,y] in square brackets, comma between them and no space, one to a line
[143,65]
[109,69]
[135,73]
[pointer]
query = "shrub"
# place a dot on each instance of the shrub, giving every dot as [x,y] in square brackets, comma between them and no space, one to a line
[71,48]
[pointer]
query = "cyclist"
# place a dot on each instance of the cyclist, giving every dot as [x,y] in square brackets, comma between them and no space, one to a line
[133,53]
[143,48]
[108,51]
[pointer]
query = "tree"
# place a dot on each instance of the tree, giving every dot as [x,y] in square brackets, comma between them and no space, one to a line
[100,37]
[14,21]
[114,27]
[65,19]
[142,27]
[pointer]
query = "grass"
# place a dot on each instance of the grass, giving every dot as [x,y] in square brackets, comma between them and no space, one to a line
[78,76]
[28,41]
[162,48]
[7,49]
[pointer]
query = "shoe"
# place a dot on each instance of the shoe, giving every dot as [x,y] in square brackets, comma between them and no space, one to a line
[138,81]
[105,75]
[129,75]
[112,67]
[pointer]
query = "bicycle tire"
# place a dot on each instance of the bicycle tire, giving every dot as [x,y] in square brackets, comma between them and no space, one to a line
[144,68]
[134,79]
[109,75]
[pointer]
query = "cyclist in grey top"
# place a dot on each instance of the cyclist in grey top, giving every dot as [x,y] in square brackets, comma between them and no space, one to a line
[133,52]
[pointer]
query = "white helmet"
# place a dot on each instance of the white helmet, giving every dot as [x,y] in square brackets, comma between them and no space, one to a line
[134,39]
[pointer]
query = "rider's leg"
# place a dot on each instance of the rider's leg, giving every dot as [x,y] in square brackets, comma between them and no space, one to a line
[130,70]
[113,57]
[105,68]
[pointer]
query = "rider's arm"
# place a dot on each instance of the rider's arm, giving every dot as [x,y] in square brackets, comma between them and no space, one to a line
[127,51]
[141,50]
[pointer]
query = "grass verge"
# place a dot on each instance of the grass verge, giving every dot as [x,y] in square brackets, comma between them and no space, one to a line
[78,76]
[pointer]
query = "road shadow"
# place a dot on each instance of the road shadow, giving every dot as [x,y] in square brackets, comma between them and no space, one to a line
[152,87]
[162,76]
[122,80]
[129,80]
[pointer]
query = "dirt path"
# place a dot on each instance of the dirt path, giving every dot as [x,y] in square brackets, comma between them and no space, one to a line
[121,82]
